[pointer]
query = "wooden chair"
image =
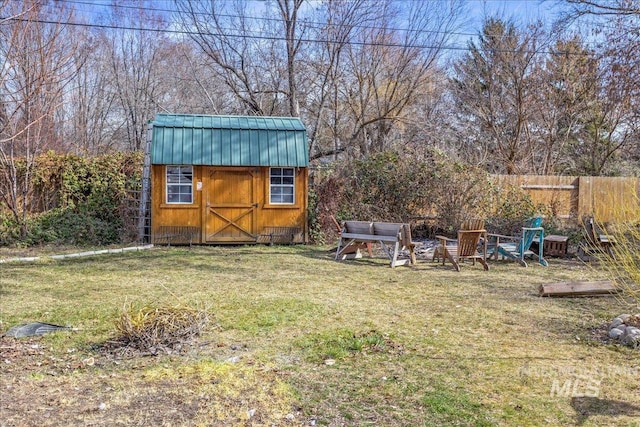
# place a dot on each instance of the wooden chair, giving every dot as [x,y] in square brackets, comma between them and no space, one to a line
[517,248]
[595,241]
[471,237]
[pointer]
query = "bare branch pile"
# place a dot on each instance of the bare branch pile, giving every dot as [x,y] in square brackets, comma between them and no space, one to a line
[155,329]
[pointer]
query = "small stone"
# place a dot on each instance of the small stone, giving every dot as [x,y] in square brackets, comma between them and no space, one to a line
[234,359]
[290,417]
[631,339]
[632,330]
[102,406]
[329,362]
[251,413]
[624,317]
[615,323]
[621,327]
[615,333]
[631,336]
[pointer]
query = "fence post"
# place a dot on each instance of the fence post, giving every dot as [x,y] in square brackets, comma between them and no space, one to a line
[585,197]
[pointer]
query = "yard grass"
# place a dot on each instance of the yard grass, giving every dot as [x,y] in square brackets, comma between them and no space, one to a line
[299,339]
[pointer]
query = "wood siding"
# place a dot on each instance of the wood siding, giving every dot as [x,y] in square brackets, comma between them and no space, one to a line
[230,204]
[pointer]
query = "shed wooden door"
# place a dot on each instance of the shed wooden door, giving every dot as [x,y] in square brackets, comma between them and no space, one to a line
[231,208]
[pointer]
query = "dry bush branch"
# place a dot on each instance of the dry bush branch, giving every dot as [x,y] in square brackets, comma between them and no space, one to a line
[624,266]
[148,328]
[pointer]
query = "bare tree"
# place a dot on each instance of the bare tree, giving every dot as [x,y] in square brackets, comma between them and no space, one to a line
[389,69]
[605,8]
[37,65]
[87,110]
[289,10]
[135,56]
[338,25]
[611,130]
[188,83]
[351,73]
[245,46]
[610,124]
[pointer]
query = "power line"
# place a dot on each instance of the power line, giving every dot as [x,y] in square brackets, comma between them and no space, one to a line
[313,24]
[226,32]
[255,37]
[264,18]
[281,39]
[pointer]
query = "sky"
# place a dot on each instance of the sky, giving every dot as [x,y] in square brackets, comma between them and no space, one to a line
[528,9]
[520,12]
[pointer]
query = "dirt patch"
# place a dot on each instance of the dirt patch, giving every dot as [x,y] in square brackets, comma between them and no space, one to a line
[29,356]
[35,382]
[600,334]
[116,388]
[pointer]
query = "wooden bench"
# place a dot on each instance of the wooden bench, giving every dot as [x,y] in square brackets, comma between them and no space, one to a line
[391,236]
[176,234]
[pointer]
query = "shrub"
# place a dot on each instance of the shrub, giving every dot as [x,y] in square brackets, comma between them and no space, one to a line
[511,206]
[61,226]
[78,201]
[461,192]
[404,186]
[315,228]
[80,227]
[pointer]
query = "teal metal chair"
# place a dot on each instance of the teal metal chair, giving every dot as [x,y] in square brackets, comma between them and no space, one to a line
[517,248]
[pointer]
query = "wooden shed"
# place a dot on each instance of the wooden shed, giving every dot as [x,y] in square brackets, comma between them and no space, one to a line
[228,179]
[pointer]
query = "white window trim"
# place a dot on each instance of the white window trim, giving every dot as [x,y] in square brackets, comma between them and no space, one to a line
[167,184]
[293,186]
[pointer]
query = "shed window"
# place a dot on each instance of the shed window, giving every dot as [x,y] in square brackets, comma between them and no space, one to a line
[282,185]
[179,184]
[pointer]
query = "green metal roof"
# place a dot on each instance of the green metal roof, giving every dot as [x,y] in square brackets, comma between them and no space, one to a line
[183,139]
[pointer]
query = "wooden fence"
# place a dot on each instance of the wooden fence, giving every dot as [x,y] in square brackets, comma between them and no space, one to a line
[608,199]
